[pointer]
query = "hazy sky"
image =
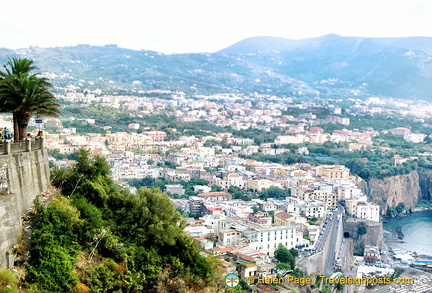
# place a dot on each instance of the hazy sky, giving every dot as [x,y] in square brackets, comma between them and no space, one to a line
[178,26]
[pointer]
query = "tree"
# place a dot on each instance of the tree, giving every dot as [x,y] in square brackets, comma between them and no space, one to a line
[216,188]
[282,254]
[294,252]
[122,242]
[326,289]
[283,266]
[24,94]
[237,193]
[274,192]
[362,229]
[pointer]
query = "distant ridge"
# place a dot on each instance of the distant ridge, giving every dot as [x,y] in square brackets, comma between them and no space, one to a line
[265,44]
[330,66]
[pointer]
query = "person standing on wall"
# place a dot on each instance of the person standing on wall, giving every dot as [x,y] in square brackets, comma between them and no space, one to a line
[39,135]
[6,133]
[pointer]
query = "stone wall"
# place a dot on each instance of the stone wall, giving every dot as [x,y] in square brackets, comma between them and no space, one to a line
[373,236]
[23,175]
[313,265]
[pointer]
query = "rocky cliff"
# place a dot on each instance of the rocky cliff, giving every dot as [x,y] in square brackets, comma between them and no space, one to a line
[396,189]
[425,181]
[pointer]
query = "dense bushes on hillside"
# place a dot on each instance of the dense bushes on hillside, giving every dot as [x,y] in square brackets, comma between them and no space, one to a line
[98,238]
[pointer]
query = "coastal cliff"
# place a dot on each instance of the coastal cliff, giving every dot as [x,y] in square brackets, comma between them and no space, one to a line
[408,189]
[425,180]
[391,191]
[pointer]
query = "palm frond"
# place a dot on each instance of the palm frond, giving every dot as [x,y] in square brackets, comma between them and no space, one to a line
[24,93]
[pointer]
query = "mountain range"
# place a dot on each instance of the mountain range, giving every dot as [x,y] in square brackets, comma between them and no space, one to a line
[328,66]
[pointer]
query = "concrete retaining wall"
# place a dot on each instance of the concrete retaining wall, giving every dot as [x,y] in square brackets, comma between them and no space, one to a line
[312,265]
[23,175]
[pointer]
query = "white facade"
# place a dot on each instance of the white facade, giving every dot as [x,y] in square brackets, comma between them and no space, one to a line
[313,209]
[232,180]
[363,210]
[228,237]
[347,191]
[268,239]
[287,139]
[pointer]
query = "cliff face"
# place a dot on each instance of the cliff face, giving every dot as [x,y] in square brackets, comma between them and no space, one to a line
[425,181]
[394,190]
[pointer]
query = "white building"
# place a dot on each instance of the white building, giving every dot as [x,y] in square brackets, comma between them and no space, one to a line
[268,239]
[415,137]
[313,209]
[347,191]
[287,139]
[175,189]
[363,210]
[232,180]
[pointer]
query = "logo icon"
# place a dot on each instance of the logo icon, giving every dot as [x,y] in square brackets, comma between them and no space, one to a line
[232,280]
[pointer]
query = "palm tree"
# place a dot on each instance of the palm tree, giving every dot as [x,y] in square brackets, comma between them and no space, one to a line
[25,94]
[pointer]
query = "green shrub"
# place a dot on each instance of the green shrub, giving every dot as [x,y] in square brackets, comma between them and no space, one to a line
[8,282]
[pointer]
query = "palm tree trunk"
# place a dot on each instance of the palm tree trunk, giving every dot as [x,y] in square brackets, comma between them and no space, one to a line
[15,126]
[22,121]
[22,131]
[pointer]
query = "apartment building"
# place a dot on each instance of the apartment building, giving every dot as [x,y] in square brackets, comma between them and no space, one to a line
[260,184]
[363,210]
[313,209]
[329,198]
[268,239]
[156,135]
[195,206]
[231,180]
[371,253]
[282,218]
[333,171]
[215,196]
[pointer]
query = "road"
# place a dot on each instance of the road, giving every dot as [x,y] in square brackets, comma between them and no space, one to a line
[331,243]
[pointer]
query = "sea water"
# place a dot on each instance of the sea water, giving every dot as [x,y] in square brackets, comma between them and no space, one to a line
[417,230]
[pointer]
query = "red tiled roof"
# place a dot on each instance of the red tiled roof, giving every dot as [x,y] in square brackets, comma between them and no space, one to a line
[213,193]
[222,249]
[298,174]
[284,215]
[200,239]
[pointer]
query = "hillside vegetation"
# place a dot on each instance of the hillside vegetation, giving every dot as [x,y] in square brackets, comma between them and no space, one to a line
[98,238]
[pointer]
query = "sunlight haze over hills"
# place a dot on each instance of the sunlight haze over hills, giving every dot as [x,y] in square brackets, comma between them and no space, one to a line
[169,26]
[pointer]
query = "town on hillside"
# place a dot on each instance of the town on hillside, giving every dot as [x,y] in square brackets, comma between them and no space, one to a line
[254,175]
